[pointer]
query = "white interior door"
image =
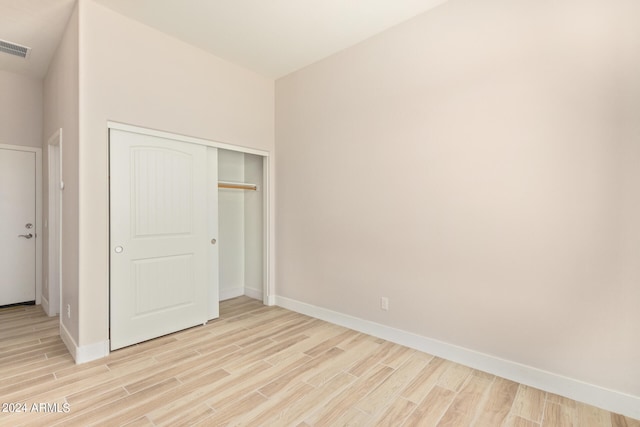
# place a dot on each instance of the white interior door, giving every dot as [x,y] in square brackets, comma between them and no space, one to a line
[17,226]
[159,236]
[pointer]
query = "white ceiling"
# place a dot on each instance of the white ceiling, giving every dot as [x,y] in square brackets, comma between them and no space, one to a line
[271,37]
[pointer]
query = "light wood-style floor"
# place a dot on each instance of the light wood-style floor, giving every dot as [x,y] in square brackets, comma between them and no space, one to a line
[264,366]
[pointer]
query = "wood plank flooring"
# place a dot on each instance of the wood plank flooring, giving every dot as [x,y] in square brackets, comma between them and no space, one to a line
[261,366]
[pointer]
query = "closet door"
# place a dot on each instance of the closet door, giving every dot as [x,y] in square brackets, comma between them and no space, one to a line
[159,237]
[214,247]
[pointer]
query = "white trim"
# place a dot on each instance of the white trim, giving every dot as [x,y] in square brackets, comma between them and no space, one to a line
[68,341]
[184,138]
[591,394]
[91,352]
[38,230]
[45,306]
[86,353]
[267,232]
[54,146]
[20,148]
[38,226]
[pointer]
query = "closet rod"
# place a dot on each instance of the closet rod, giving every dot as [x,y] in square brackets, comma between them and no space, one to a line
[237,186]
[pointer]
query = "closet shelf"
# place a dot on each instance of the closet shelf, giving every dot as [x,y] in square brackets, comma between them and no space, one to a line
[237,185]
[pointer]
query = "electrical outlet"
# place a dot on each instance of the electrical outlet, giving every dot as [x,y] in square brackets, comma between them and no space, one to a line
[384,303]
[68,311]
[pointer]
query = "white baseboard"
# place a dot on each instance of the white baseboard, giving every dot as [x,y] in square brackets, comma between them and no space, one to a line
[45,306]
[253,293]
[68,341]
[591,394]
[85,353]
[228,293]
[270,300]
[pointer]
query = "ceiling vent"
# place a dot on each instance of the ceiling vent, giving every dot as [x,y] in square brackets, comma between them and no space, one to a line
[14,49]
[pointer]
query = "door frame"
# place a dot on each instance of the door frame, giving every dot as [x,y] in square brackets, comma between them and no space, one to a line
[38,228]
[268,294]
[56,185]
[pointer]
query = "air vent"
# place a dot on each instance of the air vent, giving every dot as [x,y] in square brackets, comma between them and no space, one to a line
[14,49]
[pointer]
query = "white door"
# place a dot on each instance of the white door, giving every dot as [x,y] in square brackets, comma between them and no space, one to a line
[17,226]
[212,199]
[159,236]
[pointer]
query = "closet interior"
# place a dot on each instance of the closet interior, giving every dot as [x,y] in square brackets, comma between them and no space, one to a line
[240,224]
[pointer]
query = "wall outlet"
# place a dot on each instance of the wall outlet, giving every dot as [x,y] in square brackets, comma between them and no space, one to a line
[384,303]
[68,311]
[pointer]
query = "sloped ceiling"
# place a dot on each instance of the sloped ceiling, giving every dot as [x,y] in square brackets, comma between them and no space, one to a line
[38,24]
[271,37]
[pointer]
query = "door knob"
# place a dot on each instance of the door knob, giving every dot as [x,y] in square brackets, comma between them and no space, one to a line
[213,241]
[26,236]
[118,249]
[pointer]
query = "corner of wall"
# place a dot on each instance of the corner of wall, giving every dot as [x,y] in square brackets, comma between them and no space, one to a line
[45,307]
[85,353]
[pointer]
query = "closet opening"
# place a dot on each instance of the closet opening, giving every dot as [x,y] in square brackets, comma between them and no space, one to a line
[240,225]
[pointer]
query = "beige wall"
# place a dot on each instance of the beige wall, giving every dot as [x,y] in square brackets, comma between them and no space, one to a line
[133,74]
[20,110]
[61,111]
[478,166]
